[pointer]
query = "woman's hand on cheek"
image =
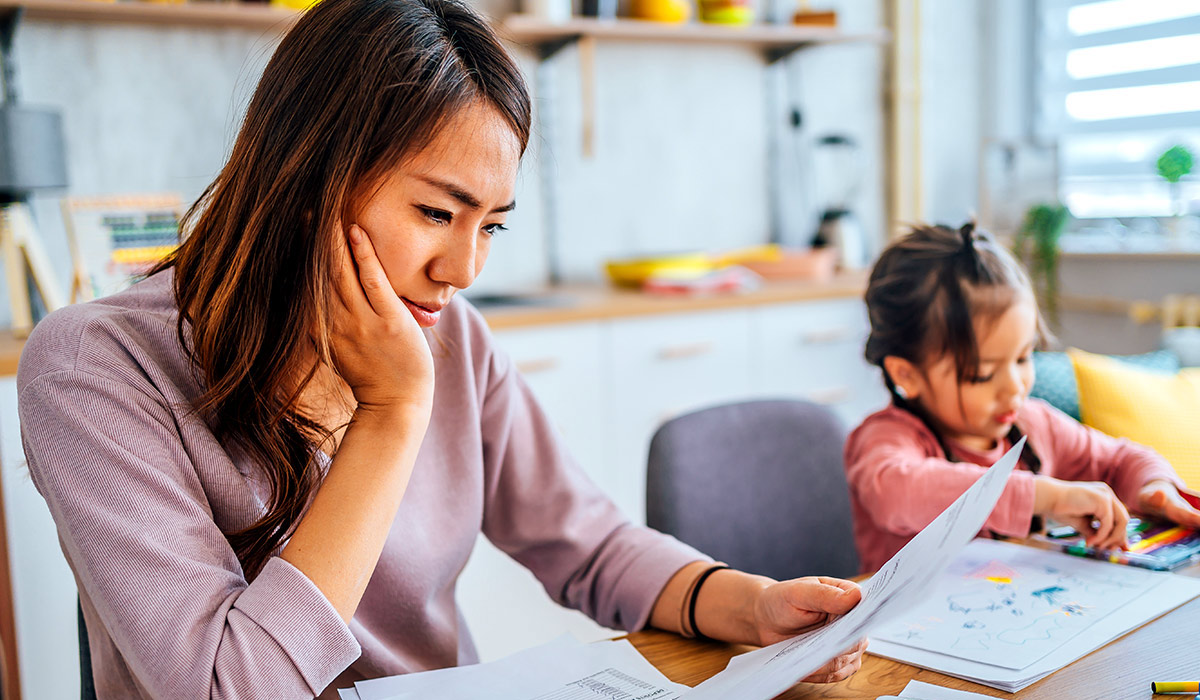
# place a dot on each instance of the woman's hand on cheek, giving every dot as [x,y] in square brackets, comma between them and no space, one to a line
[1162,499]
[378,346]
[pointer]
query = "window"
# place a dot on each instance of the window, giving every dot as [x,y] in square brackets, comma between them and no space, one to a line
[1119,84]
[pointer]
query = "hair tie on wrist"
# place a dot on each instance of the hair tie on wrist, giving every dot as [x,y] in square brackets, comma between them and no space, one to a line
[696,595]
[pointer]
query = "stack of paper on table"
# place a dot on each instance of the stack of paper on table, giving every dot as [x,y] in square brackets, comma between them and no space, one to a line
[564,669]
[916,690]
[1007,615]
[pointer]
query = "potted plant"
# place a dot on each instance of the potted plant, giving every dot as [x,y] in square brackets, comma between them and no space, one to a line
[1037,245]
[1173,165]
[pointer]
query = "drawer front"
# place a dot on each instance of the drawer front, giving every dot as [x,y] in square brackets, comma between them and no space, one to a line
[814,351]
[662,367]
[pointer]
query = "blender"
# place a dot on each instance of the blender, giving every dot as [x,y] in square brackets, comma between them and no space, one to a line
[838,167]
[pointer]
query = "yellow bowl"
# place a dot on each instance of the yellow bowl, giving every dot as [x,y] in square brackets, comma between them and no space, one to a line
[632,272]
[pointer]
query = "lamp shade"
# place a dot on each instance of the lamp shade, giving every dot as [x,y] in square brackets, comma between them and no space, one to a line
[32,156]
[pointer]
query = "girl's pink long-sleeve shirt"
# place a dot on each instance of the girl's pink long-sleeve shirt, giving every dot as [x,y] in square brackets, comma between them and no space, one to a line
[900,479]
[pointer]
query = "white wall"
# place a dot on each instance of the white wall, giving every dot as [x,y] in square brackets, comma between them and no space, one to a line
[951,93]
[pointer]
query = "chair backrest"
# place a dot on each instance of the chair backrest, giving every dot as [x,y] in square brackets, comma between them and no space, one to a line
[759,485]
[87,686]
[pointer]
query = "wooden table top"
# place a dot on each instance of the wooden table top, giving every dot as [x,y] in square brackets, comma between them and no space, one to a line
[1167,648]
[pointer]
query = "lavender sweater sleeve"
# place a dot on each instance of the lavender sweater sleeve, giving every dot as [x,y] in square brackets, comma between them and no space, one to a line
[151,562]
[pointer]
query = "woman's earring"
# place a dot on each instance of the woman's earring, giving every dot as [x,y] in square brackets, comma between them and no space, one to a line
[901,392]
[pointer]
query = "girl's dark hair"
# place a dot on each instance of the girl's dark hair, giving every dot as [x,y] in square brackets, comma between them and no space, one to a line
[929,287]
[353,88]
[925,293]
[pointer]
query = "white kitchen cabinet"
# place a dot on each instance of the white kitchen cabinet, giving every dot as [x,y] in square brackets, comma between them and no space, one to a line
[814,350]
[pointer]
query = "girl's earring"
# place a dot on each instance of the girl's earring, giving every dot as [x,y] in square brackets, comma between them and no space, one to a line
[901,392]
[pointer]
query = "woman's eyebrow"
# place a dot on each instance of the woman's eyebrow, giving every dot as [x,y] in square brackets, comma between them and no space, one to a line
[462,195]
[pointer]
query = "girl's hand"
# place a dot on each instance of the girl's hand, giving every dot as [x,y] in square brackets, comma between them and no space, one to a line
[378,346]
[1090,507]
[1162,499]
[788,608]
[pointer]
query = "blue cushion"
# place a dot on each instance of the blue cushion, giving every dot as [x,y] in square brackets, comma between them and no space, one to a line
[1055,380]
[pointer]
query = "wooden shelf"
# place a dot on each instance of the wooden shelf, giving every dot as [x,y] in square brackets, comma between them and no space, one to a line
[205,14]
[526,29]
[523,29]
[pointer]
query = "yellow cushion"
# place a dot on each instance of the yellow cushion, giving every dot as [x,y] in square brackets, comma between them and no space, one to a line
[1155,409]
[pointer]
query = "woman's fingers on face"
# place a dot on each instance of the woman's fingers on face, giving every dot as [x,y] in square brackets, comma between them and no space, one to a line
[371,277]
[348,286]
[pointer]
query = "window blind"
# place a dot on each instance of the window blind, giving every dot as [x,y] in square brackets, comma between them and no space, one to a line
[1119,84]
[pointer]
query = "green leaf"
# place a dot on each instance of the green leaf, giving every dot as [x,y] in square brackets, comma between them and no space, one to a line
[1175,163]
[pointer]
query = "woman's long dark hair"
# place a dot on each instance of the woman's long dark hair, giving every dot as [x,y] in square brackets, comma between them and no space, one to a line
[352,89]
[924,294]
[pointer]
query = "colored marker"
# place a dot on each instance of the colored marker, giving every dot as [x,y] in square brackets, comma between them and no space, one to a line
[1176,687]
[1163,538]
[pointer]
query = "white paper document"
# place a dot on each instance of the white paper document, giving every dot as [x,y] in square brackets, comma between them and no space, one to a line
[898,586]
[916,690]
[564,669]
[1006,615]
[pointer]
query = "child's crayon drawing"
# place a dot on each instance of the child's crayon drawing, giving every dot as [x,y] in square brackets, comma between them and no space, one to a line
[1009,605]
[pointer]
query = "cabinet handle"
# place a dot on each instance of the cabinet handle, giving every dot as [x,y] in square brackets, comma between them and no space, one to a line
[828,336]
[831,395]
[680,352]
[543,364]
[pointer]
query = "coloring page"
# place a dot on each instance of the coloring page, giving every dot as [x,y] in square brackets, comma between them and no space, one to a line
[1009,605]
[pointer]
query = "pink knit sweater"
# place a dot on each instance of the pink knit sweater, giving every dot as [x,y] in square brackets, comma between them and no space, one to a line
[141,492]
[900,479]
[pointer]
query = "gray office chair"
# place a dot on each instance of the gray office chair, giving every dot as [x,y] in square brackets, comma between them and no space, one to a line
[759,485]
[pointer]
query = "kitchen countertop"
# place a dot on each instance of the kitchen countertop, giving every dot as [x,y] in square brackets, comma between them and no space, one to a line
[574,303]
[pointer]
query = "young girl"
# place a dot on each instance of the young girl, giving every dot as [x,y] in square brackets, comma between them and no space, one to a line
[953,325]
[258,483]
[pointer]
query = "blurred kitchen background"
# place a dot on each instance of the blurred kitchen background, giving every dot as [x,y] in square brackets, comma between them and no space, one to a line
[676,148]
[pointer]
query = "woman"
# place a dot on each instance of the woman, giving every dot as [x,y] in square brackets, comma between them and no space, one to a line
[266,466]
